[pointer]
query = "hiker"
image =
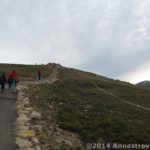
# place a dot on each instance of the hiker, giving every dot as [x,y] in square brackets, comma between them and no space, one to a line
[39,74]
[14,80]
[9,81]
[3,82]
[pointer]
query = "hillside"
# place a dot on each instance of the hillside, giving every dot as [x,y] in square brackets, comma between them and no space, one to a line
[79,107]
[91,108]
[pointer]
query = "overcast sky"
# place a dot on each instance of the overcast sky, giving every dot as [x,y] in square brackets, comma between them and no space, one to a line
[108,37]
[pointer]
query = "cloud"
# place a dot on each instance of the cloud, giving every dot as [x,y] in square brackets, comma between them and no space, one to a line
[108,37]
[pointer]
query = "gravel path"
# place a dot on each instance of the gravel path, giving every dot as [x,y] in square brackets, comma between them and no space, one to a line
[7,120]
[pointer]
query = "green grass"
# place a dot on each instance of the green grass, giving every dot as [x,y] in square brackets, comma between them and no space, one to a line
[93,114]
[25,71]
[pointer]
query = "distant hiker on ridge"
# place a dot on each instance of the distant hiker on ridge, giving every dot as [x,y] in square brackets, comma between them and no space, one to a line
[14,80]
[39,74]
[3,82]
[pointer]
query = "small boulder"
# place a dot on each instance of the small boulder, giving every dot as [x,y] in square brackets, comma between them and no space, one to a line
[35,141]
[26,102]
[26,134]
[22,143]
[22,120]
[35,115]
[38,148]
[36,127]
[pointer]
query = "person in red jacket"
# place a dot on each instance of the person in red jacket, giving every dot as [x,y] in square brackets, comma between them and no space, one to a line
[14,77]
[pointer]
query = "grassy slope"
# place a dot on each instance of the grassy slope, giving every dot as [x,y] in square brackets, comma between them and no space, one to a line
[93,114]
[25,71]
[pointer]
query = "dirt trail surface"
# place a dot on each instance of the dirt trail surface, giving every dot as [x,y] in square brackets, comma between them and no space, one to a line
[7,120]
[52,78]
[125,101]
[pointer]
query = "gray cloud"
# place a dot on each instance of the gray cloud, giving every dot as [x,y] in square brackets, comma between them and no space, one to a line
[109,37]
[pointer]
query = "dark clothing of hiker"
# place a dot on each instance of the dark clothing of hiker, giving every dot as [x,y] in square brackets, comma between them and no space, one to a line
[3,82]
[39,74]
[9,81]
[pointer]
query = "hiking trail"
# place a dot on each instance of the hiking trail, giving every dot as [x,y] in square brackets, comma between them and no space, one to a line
[125,101]
[7,120]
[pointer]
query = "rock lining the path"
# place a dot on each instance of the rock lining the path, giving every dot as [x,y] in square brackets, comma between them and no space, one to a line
[26,131]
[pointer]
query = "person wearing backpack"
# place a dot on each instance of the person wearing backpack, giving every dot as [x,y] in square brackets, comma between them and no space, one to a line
[9,81]
[14,80]
[3,82]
